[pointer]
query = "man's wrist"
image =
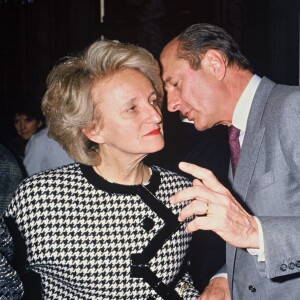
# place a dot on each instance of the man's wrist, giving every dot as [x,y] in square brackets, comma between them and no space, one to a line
[224,275]
[260,251]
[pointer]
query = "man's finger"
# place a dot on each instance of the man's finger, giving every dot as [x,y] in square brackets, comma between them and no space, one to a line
[194,208]
[184,195]
[205,175]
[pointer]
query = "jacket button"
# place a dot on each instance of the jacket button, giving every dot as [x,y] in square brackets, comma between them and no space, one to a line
[148,224]
[298,263]
[291,266]
[252,288]
[283,267]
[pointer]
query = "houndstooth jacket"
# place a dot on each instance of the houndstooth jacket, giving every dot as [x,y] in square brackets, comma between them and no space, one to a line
[87,238]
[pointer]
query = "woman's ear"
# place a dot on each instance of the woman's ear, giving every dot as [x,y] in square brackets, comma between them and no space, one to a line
[217,63]
[93,135]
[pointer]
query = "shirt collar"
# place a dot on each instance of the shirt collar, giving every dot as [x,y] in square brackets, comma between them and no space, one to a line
[242,109]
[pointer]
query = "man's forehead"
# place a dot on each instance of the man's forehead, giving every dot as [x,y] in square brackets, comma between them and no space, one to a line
[169,51]
[168,63]
[167,73]
[172,68]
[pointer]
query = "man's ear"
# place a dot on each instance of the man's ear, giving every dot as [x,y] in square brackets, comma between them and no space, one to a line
[216,63]
[94,135]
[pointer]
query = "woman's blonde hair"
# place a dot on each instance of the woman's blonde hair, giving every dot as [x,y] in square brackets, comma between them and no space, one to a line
[68,105]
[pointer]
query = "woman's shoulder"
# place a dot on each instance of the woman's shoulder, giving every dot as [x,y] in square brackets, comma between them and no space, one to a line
[67,169]
[62,175]
[48,184]
[170,174]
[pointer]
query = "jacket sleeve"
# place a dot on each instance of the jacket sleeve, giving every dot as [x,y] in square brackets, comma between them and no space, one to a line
[10,283]
[186,289]
[281,226]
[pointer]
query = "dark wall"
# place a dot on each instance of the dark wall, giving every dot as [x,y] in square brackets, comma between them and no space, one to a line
[34,36]
[270,38]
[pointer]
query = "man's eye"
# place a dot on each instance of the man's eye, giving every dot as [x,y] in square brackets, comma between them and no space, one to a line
[131,109]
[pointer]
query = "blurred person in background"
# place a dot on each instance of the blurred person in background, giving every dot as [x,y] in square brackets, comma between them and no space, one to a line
[27,120]
[10,176]
[44,153]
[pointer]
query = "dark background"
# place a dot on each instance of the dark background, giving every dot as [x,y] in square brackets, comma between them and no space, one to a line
[35,34]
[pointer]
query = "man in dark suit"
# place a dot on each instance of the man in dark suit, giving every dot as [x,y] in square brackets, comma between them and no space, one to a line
[210,82]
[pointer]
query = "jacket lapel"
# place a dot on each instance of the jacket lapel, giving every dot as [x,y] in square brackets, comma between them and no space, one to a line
[249,153]
[252,140]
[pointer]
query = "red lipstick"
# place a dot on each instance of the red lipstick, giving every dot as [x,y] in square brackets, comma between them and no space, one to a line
[154,132]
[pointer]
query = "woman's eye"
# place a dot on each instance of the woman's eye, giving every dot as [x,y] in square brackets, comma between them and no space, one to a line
[154,102]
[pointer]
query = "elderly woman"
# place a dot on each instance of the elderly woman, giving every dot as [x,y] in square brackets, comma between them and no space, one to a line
[102,228]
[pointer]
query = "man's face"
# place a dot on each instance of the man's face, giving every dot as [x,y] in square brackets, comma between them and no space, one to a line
[197,94]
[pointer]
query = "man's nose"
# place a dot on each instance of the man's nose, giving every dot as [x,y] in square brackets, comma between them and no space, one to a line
[174,102]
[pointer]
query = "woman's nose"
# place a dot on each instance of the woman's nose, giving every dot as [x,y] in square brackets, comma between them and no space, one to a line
[154,114]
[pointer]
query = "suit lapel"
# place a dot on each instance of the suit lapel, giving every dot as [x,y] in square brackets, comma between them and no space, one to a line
[252,140]
[247,163]
[249,153]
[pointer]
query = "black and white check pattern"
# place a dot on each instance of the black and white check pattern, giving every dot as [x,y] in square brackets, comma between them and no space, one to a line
[80,232]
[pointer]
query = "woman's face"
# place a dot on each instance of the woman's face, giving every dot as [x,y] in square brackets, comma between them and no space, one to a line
[131,120]
[26,126]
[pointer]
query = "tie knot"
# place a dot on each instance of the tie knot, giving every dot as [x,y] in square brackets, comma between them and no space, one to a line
[233,132]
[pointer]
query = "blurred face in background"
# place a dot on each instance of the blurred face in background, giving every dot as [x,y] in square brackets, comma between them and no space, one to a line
[26,126]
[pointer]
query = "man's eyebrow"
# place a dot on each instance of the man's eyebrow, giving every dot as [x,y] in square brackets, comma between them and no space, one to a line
[167,80]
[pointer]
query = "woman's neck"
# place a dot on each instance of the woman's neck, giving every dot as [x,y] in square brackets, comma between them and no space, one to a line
[130,174]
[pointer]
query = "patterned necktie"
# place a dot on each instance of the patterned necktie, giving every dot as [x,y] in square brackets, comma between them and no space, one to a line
[234,145]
